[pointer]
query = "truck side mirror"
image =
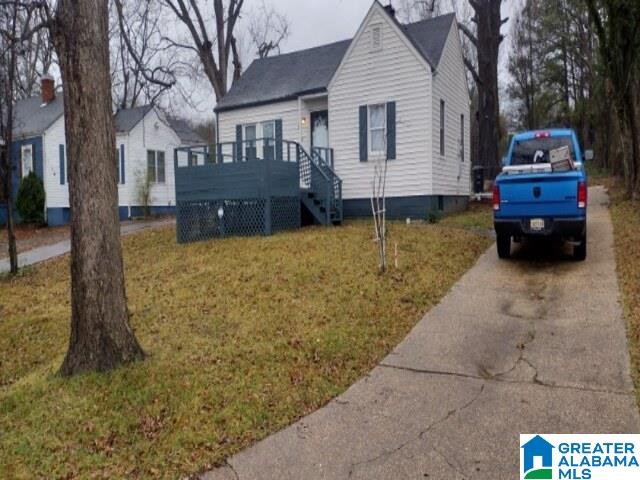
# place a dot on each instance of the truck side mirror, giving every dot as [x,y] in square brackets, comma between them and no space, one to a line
[505,161]
[588,155]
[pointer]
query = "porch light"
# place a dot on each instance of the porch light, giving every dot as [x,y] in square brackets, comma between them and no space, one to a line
[304,121]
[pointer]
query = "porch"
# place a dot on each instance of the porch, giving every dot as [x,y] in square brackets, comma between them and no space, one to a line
[253,187]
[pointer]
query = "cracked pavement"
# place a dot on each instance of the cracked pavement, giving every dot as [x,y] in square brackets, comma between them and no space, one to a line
[535,344]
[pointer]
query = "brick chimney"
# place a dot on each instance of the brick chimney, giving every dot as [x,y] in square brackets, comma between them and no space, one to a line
[47,88]
[390,10]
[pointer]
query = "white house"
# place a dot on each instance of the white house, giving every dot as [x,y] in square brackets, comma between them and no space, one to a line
[394,92]
[145,142]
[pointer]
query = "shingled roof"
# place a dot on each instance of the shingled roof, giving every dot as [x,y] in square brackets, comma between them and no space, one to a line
[32,117]
[187,135]
[288,76]
[127,118]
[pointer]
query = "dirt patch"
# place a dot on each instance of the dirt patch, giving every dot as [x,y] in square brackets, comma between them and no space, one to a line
[29,237]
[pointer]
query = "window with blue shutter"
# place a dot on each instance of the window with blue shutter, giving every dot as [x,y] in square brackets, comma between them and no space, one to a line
[122,177]
[279,140]
[442,127]
[391,130]
[63,170]
[238,150]
[363,112]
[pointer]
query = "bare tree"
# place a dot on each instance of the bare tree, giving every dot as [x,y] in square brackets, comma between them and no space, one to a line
[101,337]
[141,69]
[379,211]
[214,47]
[486,41]
[415,10]
[267,29]
[16,27]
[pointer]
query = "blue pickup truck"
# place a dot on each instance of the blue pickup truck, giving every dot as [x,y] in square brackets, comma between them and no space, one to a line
[532,200]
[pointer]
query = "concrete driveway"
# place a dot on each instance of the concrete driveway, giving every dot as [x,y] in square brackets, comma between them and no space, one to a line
[531,345]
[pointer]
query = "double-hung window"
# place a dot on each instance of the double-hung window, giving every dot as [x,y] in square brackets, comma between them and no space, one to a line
[269,136]
[26,159]
[155,166]
[250,142]
[377,129]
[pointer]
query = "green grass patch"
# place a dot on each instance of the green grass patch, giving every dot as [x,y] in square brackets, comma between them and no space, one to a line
[243,336]
[479,216]
[626,229]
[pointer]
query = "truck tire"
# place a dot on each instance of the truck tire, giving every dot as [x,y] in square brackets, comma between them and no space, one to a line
[580,250]
[504,246]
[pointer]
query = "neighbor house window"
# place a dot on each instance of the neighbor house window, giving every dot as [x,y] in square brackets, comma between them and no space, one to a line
[442,127]
[376,38]
[269,135]
[250,134]
[26,156]
[155,166]
[462,138]
[377,128]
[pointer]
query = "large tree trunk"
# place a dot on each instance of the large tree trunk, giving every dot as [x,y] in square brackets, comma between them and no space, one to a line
[101,338]
[489,22]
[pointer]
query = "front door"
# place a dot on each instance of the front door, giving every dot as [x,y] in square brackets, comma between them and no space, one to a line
[320,130]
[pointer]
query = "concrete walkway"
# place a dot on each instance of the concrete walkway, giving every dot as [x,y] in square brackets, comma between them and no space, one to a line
[48,252]
[535,344]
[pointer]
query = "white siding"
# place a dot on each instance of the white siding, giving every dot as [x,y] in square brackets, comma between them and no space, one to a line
[151,133]
[450,175]
[285,111]
[56,195]
[395,73]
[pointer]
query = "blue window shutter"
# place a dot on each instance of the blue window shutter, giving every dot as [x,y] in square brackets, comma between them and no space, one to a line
[279,140]
[62,169]
[238,149]
[122,177]
[391,130]
[363,134]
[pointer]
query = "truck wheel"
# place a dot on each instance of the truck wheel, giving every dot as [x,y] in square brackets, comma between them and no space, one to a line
[580,250]
[504,246]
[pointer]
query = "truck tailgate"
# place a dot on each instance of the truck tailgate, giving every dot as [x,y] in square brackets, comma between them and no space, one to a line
[539,195]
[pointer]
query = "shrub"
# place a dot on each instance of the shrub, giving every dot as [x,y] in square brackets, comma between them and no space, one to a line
[30,199]
[433,217]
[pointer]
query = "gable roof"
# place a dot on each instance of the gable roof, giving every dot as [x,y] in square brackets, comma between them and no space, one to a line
[32,118]
[127,118]
[430,36]
[285,77]
[187,135]
[288,76]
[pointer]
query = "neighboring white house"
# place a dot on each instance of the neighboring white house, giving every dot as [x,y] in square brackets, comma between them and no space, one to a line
[396,92]
[145,143]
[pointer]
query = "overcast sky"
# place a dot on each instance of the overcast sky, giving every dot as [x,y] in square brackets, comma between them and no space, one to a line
[317,22]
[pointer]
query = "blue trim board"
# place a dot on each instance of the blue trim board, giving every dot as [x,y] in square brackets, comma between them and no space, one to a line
[61,215]
[414,207]
[58,216]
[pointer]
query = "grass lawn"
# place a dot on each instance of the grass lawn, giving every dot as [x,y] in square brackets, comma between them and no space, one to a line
[626,229]
[244,336]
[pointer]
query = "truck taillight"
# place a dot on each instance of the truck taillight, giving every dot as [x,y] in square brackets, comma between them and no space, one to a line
[582,195]
[496,197]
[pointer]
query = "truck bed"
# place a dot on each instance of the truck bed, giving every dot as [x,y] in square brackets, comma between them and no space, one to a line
[545,195]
